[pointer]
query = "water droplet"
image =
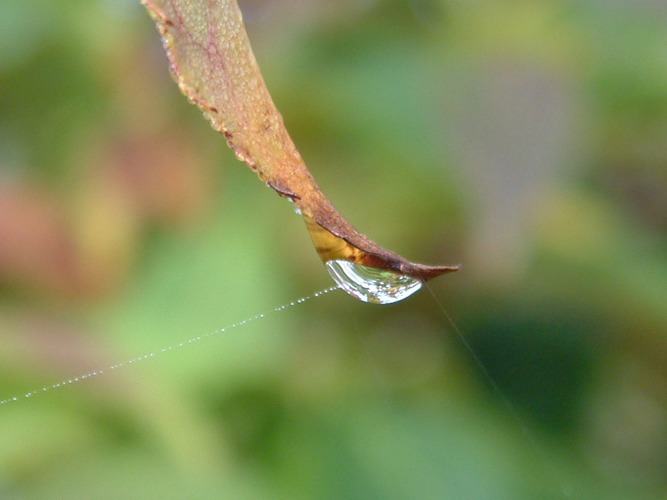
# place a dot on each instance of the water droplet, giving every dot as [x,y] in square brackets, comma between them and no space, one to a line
[370,284]
[296,209]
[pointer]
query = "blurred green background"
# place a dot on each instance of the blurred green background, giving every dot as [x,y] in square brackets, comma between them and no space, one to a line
[526,140]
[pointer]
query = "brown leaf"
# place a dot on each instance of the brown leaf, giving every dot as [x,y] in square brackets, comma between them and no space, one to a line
[212,62]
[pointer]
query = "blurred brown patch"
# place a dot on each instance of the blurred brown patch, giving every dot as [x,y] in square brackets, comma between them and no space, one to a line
[86,246]
[36,249]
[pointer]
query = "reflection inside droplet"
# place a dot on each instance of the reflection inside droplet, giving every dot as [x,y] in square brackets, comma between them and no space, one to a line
[372,285]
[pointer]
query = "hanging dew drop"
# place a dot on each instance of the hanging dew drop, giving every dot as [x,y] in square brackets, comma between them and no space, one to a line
[372,285]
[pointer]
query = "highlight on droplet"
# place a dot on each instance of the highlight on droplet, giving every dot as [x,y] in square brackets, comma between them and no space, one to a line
[370,284]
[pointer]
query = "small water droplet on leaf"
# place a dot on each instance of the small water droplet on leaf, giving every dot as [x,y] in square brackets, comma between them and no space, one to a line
[371,284]
[296,209]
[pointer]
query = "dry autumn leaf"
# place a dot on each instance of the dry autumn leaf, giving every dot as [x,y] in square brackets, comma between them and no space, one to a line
[211,60]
